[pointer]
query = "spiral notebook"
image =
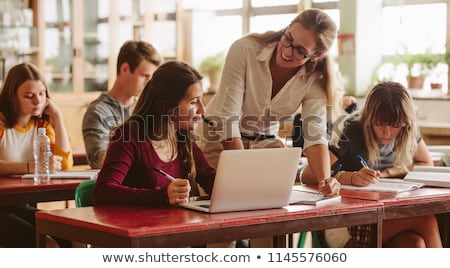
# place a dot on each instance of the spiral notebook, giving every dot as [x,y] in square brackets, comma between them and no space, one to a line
[251,180]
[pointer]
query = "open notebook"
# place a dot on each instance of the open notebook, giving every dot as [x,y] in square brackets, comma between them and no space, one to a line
[250,180]
[430,176]
[70,174]
[386,185]
[309,195]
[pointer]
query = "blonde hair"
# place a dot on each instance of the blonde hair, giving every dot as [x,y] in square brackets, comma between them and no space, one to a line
[389,103]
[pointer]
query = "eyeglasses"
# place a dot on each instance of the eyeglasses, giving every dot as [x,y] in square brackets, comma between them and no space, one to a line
[298,52]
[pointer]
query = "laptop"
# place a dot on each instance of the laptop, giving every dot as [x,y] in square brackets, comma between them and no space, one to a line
[251,179]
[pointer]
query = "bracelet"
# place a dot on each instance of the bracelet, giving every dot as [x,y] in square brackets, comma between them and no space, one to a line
[339,175]
[28,167]
[351,177]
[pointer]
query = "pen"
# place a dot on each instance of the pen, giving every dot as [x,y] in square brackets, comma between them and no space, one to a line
[164,174]
[362,161]
[336,170]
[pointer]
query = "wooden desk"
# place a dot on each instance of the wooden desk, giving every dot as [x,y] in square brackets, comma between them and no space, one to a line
[419,202]
[176,227]
[16,191]
[424,201]
[79,156]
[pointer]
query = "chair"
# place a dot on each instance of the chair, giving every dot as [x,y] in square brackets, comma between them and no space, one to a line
[297,131]
[315,240]
[83,196]
[83,193]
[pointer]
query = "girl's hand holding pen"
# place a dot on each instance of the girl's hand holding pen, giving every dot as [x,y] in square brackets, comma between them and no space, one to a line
[178,191]
[329,187]
[365,176]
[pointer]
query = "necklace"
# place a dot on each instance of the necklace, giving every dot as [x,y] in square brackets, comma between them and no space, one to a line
[163,150]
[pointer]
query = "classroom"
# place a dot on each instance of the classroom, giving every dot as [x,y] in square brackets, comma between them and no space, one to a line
[76,48]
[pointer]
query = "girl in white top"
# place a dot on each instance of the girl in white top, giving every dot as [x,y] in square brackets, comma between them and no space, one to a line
[266,79]
[25,106]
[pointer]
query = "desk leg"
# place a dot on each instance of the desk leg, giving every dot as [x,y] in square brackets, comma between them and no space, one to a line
[379,227]
[279,241]
[40,240]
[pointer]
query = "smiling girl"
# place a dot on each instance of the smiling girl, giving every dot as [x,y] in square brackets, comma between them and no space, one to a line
[158,135]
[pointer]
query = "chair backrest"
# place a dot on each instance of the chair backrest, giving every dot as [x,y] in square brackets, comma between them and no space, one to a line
[83,193]
[297,131]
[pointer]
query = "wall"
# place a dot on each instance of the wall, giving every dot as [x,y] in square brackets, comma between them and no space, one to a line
[363,19]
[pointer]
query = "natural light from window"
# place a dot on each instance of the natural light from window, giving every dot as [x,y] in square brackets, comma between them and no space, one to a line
[414,29]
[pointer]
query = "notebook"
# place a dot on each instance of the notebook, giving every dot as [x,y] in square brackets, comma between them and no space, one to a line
[430,176]
[251,180]
[305,195]
[387,185]
[70,174]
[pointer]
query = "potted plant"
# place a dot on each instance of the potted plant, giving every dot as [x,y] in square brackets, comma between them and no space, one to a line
[212,66]
[420,66]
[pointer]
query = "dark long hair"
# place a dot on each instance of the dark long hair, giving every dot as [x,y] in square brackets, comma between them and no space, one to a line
[16,76]
[157,105]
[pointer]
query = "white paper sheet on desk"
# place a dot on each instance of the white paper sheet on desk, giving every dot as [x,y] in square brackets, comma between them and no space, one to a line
[70,174]
[304,195]
[386,185]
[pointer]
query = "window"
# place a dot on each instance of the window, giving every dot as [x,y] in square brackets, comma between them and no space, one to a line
[411,28]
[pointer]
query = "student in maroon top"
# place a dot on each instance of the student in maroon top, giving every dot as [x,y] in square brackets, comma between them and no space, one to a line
[158,135]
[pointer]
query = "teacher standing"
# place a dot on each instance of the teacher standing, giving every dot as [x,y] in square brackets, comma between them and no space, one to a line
[266,79]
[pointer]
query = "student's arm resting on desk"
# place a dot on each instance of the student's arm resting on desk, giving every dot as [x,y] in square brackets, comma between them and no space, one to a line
[127,156]
[8,168]
[422,157]
[351,143]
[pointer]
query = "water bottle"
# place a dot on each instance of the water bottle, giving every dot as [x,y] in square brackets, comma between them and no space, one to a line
[42,154]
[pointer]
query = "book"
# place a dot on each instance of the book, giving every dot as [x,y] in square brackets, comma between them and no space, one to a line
[70,174]
[430,176]
[304,195]
[392,185]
